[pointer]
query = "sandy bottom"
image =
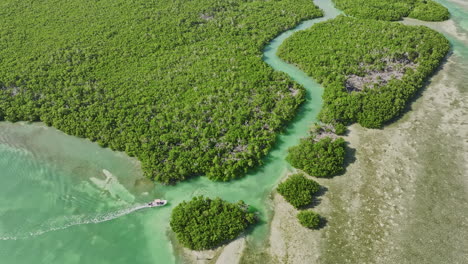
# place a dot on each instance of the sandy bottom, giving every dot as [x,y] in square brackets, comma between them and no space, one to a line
[449,27]
[228,254]
[404,197]
[462,3]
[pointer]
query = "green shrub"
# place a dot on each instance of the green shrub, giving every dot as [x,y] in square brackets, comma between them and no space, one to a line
[309,219]
[180,85]
[298,190]
[428,10]
[392,10]
[324,158]
[340,129]
[338,50]
[203,223]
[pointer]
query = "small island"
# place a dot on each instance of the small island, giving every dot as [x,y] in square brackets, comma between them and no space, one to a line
[207,88]
[205,223]
[370,69]
[309,219]
[298,190]
[318,157]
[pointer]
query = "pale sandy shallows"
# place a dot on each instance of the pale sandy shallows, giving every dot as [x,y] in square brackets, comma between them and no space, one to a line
[404,198]
[228,254]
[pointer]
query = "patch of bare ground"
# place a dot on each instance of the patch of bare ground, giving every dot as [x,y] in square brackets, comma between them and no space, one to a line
[199,257]
[373,78]
[408,197]
[206,17]
[448,27]
[228,254]
[289,241]
[405,197]
[321,131]
[14,90]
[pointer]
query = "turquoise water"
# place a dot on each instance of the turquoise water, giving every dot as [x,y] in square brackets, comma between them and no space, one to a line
[57,206]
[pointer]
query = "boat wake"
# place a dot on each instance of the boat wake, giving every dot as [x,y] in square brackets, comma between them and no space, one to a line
[74,220]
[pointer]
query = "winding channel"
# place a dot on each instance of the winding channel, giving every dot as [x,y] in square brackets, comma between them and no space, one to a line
[56,205]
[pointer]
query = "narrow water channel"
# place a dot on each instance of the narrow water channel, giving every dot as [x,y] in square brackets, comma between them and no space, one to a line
[57,206]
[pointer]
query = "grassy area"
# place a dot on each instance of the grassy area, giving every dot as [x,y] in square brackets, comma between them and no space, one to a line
[179,84]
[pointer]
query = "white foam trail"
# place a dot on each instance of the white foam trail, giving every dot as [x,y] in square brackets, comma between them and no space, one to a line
[73,221]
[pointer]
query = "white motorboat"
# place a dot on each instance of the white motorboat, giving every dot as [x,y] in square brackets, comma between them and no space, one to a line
[157,202]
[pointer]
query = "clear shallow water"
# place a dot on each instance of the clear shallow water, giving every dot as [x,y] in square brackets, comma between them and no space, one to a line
[56,205]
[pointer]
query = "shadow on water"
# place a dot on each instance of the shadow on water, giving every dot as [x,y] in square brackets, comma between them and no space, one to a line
[302,113]
[267,48]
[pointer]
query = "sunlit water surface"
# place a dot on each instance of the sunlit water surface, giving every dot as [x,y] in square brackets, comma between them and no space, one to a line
[57,205]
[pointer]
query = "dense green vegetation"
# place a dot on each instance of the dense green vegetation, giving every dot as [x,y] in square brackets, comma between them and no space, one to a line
[309,219]
[179,84]
[392,10]
[298,190]
[428,10]
[340,129]
[370,69]
[320,158]
[203,223]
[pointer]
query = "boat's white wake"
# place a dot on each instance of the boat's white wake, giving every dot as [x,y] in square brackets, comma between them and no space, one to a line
[74,220]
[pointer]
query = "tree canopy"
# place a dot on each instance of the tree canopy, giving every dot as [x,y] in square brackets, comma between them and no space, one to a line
[298,190]
[322,158]
[309,219]
[428,10]
[392,10]
[181,85]
[370,69]
[205,223]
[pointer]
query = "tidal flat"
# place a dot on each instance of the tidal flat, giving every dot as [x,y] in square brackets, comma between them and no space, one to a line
[404,196]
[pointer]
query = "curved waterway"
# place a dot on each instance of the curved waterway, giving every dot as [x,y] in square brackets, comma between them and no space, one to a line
[58,206]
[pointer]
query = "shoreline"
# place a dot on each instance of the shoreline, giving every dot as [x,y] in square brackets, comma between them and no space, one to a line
[384,203]
[395,192]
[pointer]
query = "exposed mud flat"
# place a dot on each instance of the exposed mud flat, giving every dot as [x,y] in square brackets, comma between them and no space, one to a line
[228,254]
[404,196]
